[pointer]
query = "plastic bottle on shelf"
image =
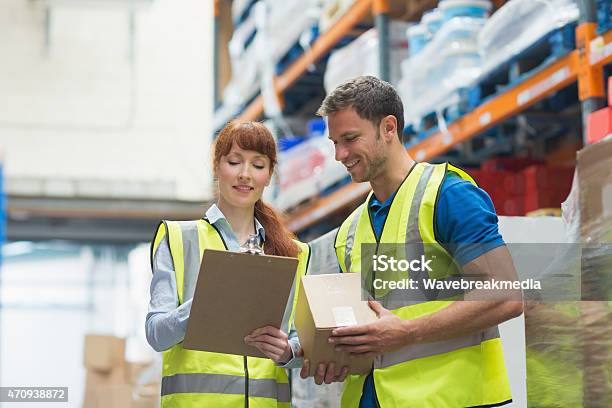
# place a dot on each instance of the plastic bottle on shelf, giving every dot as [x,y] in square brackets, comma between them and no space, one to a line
[465,60]
[316,128]
[432,78]
[432,20]
[464,8]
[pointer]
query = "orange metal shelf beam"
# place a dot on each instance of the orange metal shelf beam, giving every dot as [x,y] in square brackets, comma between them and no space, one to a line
[320,47]
[323,207]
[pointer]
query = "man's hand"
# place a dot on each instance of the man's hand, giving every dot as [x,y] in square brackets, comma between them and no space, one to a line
[272,342]
[389,332]
[325,372]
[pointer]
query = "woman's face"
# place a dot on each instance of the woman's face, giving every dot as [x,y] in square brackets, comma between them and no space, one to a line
[243,175]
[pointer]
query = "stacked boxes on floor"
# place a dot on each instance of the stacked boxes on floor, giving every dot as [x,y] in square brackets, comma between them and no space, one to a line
[519,186]
[111,381]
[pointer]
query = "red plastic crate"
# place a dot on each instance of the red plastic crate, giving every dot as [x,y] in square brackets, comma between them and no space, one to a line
[509,164]
[548,177]
[514,184]
[514,206]
[599,125]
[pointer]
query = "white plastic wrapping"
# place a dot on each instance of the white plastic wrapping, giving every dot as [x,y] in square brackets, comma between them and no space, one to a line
[520,23]
[287,21]
[568,344]
[450,61]
[254,64]
[238,9]
[274,38]
[304,171]
[243,85]
[360,57]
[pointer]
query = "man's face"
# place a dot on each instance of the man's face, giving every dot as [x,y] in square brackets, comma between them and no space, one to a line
[358,144]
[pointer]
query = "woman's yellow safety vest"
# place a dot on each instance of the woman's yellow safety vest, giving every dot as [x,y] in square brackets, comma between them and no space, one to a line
[204,379]
[466,371]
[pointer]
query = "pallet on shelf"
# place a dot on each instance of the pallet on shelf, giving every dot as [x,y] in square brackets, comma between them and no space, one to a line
[524,65]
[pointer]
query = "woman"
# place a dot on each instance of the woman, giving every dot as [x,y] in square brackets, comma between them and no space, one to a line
[243,163]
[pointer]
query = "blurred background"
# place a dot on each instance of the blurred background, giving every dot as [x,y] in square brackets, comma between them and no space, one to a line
[105,125]
[108,109]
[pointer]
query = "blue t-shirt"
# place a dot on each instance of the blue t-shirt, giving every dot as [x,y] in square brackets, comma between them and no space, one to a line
[464,215]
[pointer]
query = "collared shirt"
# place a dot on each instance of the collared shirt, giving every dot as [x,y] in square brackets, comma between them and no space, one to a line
[166,321]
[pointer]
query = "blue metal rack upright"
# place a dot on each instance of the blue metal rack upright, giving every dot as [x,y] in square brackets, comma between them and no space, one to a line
[2,211]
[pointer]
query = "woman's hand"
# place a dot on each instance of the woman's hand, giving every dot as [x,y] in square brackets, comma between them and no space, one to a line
[272,342]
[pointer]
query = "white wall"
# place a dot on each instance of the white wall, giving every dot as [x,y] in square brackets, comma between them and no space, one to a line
[80,110]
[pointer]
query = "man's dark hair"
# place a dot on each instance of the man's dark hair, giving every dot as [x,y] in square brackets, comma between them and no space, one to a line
[372,99]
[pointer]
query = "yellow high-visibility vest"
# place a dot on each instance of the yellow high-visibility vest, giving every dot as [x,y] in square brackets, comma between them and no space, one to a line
[465,371]
[204,379]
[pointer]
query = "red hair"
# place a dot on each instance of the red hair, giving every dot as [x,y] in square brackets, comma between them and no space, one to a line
[256,137]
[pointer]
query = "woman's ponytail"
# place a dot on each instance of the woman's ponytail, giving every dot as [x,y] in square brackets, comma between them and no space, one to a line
[279,240]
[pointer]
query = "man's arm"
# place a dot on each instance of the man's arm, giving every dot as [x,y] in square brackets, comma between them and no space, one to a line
[480,310]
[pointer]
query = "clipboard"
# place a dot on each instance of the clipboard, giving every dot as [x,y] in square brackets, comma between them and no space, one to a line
[235,294]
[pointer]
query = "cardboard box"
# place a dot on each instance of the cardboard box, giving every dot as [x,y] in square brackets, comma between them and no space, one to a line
[104,396]
[146,402]
[104,353]
[595,195]
[94,378]
[326,302]
[147,396]
[135,369]
[114,383]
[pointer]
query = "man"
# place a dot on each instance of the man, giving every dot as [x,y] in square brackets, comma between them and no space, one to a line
[428,353]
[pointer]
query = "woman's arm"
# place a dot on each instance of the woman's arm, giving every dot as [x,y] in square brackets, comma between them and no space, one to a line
[166,321]
[284,350]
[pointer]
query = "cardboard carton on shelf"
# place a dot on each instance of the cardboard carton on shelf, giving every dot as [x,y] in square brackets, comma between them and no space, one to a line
[326,302]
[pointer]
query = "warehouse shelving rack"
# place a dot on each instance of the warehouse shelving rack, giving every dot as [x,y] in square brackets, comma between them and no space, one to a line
[583,66]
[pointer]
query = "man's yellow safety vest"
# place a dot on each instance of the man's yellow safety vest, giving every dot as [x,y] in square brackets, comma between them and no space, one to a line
[466,371]
[204,379]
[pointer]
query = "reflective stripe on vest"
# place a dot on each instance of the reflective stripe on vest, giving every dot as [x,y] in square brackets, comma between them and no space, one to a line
[416,351]
[192,256]
[224,384]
